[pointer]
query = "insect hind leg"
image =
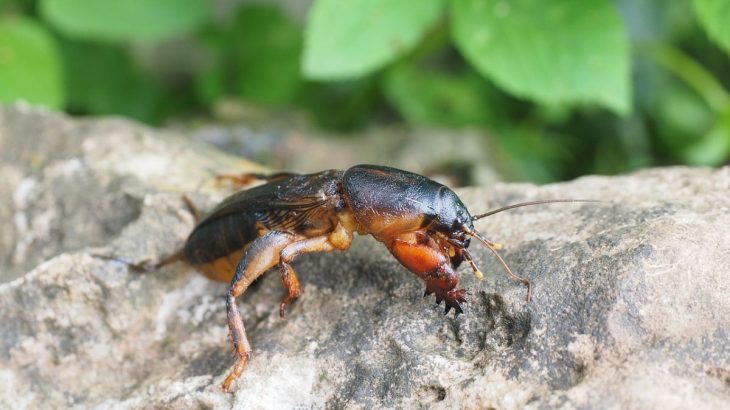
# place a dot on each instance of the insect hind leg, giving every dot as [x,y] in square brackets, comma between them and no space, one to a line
[239,181]
[262,254]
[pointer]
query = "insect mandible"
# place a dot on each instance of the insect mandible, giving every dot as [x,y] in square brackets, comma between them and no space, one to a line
[424,225]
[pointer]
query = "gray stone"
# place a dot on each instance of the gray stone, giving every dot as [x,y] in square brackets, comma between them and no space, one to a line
[630,306]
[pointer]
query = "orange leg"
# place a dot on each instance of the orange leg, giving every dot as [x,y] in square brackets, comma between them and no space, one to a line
[192,208]
[339,239]
[291,283]
[424,257]
[262,254]
[289,275]
[242,180]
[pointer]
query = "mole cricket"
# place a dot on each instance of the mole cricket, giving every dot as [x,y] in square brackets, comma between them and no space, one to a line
[424,225]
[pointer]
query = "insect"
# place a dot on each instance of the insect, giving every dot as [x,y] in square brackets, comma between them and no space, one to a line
[424,225]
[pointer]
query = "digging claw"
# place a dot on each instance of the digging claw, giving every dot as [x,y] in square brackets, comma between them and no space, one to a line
[455,305]
[452,298]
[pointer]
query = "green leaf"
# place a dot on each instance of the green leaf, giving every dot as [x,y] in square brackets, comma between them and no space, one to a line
[102,79]
[343,105]
[30,67]
[125,20]
[266,49]
[714,148]
[347,39]
[533,154]
[551,51]
[714,15]
[210,84]
[425,97]
[680,115]
[214,80]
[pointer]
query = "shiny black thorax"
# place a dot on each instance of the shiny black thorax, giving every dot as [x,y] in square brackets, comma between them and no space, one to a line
[374,191]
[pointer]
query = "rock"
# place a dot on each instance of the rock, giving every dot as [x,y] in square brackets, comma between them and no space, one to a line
[630,305]
[72,184]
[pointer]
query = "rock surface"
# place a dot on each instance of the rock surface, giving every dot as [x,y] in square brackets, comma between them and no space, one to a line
[630,305]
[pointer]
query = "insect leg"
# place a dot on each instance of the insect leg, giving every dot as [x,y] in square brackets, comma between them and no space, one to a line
[443,284]
[339,239]
[422,256]
[192,208]
[242,180]
[262,254]
[291,283]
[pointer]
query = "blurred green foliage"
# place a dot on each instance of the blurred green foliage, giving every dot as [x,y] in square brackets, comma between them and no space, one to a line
[347,39]
[552,51]
[30,65]
[564,87]
[128,20]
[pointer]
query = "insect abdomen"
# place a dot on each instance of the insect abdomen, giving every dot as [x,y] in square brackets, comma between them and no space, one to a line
[216,247]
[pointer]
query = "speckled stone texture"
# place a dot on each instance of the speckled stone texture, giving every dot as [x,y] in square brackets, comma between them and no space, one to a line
[631,304]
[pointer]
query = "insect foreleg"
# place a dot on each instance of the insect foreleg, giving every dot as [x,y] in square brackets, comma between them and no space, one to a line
[424,257]
[262,254]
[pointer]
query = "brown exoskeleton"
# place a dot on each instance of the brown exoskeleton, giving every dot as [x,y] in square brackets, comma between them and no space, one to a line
[424,225]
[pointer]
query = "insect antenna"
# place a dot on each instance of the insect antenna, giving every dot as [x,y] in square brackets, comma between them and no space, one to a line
[492,246]
[521,204]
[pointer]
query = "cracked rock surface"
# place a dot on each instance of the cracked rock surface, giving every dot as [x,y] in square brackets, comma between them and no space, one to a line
[631,303]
